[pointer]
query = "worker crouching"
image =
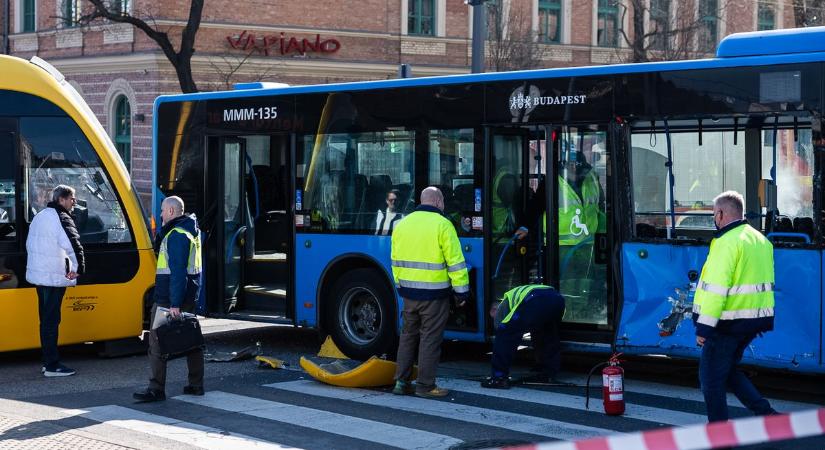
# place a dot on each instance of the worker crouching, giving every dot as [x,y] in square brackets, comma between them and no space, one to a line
[536,309]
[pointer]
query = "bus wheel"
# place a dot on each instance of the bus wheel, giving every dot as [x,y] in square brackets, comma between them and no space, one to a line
[362,316]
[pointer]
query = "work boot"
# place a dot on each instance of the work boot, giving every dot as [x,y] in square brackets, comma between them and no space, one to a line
[403,388]
[496,383]
[149,395]
[193,390]
[435,392]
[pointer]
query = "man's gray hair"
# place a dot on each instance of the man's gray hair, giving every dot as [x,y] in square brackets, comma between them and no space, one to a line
[175,202]
[731,202]
[62,191]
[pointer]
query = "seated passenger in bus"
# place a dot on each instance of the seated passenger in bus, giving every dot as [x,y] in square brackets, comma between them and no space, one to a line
[385,220]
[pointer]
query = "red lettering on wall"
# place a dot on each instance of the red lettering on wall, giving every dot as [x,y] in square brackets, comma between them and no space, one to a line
[281,44]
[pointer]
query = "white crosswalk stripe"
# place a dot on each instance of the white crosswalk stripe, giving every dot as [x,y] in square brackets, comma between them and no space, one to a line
[633,411]
[329,422]
[482,416]
[168,428]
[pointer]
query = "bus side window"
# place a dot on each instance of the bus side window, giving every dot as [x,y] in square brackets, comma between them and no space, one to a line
[8,216]
[452,169]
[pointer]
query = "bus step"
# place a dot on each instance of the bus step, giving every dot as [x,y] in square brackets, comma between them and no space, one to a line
[270,298]
[260,316]
[268,257]
[269,291]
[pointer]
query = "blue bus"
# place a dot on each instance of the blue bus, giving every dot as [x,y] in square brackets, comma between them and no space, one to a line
[611,169]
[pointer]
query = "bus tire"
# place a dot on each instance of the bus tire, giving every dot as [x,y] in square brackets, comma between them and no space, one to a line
[362,315]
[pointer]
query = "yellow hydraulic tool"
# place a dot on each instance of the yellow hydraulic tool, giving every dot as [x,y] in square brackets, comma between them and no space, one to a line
[371,373]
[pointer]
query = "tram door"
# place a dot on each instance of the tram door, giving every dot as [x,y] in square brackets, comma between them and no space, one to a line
[581,215]
[516,156]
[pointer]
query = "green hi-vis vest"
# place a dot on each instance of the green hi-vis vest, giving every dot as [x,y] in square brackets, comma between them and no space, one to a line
[514,297]
[737,279]
[579,217]
[503,220]
[426,254]
[193,267]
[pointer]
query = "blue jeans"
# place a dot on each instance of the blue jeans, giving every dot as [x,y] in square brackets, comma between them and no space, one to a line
[49,300]
[718,373]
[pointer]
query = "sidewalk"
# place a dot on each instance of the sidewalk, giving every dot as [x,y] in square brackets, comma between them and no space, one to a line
[18,433]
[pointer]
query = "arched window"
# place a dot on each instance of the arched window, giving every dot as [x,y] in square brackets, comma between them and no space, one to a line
[123,130]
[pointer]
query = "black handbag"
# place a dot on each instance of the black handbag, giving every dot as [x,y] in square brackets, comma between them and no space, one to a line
[178,337]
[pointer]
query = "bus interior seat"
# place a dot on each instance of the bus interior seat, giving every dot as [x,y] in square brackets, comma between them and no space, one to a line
[359,210]
[783,224]
[804,225]
[406,203]
[267,188]
[463,195]
[646,231]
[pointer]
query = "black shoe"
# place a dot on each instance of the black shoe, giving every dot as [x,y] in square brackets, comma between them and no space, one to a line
[496,383]
[193,390]
[57,370]
[149,395]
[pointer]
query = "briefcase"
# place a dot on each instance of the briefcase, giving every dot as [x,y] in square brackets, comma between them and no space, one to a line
[178,337]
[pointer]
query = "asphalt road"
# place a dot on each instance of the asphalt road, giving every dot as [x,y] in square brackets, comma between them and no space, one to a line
[251,407]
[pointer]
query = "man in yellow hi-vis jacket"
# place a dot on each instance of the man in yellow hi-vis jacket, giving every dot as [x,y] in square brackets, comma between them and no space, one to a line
[428,266]
[734,302]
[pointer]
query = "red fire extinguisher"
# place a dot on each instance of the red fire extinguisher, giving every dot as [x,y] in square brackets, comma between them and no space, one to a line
[612,386]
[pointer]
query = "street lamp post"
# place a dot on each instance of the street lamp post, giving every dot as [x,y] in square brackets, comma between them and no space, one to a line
[479,33]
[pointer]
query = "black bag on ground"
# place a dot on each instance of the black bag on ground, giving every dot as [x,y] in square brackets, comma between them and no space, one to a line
[178,337]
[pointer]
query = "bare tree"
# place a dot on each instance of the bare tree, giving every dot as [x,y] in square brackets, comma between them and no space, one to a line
[808,13]
[228,68]
[669,30]
[512,42]
[181,58]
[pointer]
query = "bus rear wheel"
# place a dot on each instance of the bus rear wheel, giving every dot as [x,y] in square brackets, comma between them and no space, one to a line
[362,316]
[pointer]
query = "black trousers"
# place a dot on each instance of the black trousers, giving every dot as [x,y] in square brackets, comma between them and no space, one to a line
[49,302]
[540,315]
[194,362]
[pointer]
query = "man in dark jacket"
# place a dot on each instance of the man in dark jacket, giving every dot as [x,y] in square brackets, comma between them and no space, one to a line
[176,288]
[55,259]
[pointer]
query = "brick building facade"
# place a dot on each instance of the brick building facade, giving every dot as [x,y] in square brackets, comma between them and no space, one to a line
[120,71]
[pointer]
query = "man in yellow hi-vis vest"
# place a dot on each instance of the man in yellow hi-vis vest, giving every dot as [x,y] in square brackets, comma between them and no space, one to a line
[734,302]
[428,267]
[176,287]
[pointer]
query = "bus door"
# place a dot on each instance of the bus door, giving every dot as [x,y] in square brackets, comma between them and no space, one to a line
[581,215]
[255,233]
[516,172]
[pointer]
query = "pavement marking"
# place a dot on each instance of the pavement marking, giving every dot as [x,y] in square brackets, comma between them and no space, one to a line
[173,429]
[694,394]
[329,422]
[633,411]
[456,411]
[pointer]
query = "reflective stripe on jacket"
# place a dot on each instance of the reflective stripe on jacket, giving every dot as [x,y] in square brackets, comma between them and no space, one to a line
[426,256]
[514,298]
[735,290]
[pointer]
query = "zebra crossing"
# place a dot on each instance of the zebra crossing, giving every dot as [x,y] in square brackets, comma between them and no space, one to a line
[301,413]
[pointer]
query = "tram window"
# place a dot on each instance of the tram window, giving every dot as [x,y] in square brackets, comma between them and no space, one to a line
[452,169]
[56,152]
[348,180]
[700,173]
[8,231]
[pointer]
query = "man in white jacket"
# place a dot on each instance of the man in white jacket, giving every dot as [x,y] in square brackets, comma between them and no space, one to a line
[55,259]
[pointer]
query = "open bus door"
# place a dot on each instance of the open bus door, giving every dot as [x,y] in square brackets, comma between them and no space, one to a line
[252,227]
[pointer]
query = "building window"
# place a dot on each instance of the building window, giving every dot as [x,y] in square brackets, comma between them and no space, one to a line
[659,24]
[607,34]
[69,13]
[29,17]
[121,6]
[765,16]
[550,21]
[708,24]
[123,130]
[421,17]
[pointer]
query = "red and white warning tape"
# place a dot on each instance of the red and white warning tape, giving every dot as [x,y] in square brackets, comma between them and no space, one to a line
[752,430]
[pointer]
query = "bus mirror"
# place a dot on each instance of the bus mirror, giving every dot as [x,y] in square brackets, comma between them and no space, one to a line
[767,194]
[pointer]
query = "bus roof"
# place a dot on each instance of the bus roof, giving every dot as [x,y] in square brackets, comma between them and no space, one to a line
[789,46]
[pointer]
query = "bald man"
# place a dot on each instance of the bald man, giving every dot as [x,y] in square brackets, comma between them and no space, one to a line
[428,268]
[176,287]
